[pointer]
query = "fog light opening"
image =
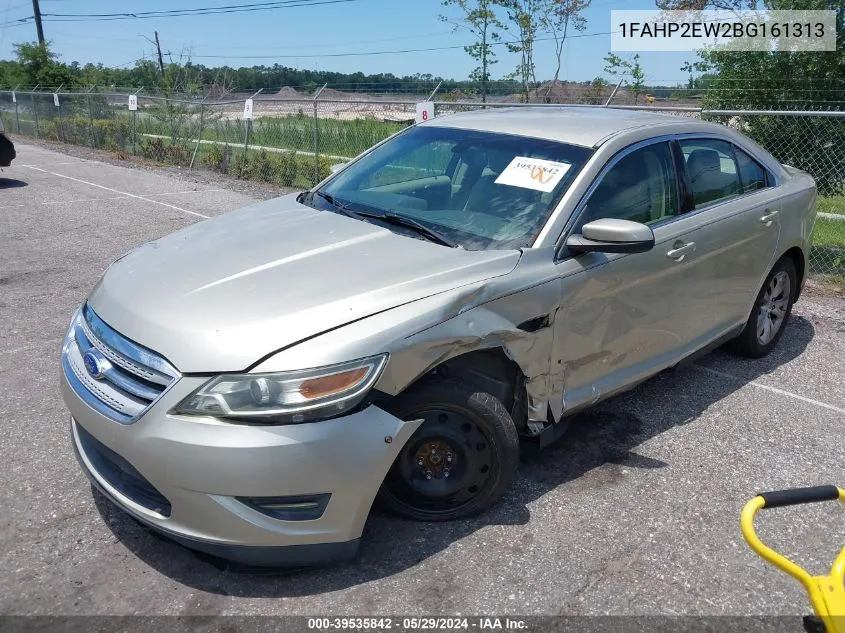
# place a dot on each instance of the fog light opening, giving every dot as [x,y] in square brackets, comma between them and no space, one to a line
[293,508]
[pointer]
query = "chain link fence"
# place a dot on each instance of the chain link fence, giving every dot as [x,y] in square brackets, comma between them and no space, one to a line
[294,142]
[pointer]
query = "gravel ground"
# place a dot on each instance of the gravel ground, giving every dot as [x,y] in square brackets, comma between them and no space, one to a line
[634,511]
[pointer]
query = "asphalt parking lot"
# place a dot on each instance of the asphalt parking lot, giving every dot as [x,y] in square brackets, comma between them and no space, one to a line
[634,511]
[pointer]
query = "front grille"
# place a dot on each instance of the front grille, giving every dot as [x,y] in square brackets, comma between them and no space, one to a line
[120,474]
[124,378]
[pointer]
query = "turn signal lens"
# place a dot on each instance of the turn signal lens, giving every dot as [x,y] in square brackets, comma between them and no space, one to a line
[330,385]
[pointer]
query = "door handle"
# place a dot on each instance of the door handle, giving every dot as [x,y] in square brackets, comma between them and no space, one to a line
[679,251]
[768,216]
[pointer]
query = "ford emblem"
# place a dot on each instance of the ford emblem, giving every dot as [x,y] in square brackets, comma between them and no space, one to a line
[95,363]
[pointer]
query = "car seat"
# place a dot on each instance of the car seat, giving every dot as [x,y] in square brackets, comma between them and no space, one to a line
[502,201]
[705,172]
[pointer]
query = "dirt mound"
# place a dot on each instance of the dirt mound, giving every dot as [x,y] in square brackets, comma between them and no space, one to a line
[286,92]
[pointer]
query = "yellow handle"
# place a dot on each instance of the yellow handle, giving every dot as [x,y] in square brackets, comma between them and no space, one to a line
[826,593]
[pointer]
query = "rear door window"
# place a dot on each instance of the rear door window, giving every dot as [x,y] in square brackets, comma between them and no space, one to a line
[712,170]
[752,176]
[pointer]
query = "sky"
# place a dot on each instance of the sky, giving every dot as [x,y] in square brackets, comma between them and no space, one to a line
[340,36]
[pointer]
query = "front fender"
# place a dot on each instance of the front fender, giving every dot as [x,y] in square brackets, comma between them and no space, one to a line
[515,313]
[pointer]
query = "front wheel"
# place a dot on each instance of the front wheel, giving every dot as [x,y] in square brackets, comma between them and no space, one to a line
[459,461]
[771,310]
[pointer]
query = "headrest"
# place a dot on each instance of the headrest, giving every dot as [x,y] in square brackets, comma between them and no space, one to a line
[497,160]
[701,160]
[474,157]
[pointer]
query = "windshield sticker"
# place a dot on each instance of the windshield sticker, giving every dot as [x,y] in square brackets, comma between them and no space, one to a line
[533,173]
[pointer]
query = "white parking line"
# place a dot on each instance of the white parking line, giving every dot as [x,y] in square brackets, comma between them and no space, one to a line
[106,198]
[782,392]
[123,193]
[78,161]
[179,193]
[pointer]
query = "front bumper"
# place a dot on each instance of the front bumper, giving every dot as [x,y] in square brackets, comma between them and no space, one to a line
[202,469]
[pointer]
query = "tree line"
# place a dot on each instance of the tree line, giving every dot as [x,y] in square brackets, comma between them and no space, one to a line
[723,79]
[38,65]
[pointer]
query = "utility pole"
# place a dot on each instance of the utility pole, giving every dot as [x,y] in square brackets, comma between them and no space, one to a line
[36,12]
[158,48]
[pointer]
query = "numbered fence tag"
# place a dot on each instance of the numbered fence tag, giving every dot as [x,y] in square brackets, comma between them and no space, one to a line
[56,99]
[425,111]
[248,109]
[133,102]
[14,97]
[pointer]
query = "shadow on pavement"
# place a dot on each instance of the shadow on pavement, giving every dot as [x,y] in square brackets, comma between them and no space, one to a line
[590,456]
[11,183]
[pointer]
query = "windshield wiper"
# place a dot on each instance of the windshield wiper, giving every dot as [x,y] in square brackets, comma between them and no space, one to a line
[337,204]
[401,220]
[386,217]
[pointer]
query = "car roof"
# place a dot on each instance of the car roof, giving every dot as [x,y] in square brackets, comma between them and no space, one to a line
[577,125]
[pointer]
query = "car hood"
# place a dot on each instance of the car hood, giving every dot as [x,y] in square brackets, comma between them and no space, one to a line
[222,294]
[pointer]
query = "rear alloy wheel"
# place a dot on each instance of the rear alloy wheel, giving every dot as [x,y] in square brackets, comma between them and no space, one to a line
[771,310]
[460,460]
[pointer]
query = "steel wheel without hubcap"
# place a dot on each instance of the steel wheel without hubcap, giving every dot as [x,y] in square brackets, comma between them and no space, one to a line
[461,458]
[773,307]
[444,465]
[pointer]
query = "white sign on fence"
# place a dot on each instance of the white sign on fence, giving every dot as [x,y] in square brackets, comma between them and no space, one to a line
[425,111]
[133,102]
[14,97]
[248,109]
[56,99]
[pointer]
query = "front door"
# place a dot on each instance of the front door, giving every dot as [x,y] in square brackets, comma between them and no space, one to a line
[623,316]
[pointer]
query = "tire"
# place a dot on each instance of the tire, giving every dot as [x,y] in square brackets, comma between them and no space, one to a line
[459,462]
[7,151]
[751,343]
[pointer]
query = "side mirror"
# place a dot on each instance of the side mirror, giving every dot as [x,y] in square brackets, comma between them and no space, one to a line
[610,235]
[336,168]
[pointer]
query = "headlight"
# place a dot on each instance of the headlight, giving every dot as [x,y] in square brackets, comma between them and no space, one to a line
[285,397]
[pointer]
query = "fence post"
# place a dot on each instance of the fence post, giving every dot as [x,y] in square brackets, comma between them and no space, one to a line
[434,92]
[91,139]
[314,134]
[134,124]
[613,94]
[17,116]
[35,113]
[199,134]
[248,123]
[59,108]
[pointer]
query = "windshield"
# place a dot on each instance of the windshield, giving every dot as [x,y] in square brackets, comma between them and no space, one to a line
[479,190]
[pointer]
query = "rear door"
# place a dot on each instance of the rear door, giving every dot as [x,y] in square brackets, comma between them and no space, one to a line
[736,211]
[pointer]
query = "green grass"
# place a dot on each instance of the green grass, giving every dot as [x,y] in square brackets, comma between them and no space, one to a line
[340,138]
[829,232]
[832,204]
[334,137]
[827,255]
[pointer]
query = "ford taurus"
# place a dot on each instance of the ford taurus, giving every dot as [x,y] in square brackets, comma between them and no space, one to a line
[250,385]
